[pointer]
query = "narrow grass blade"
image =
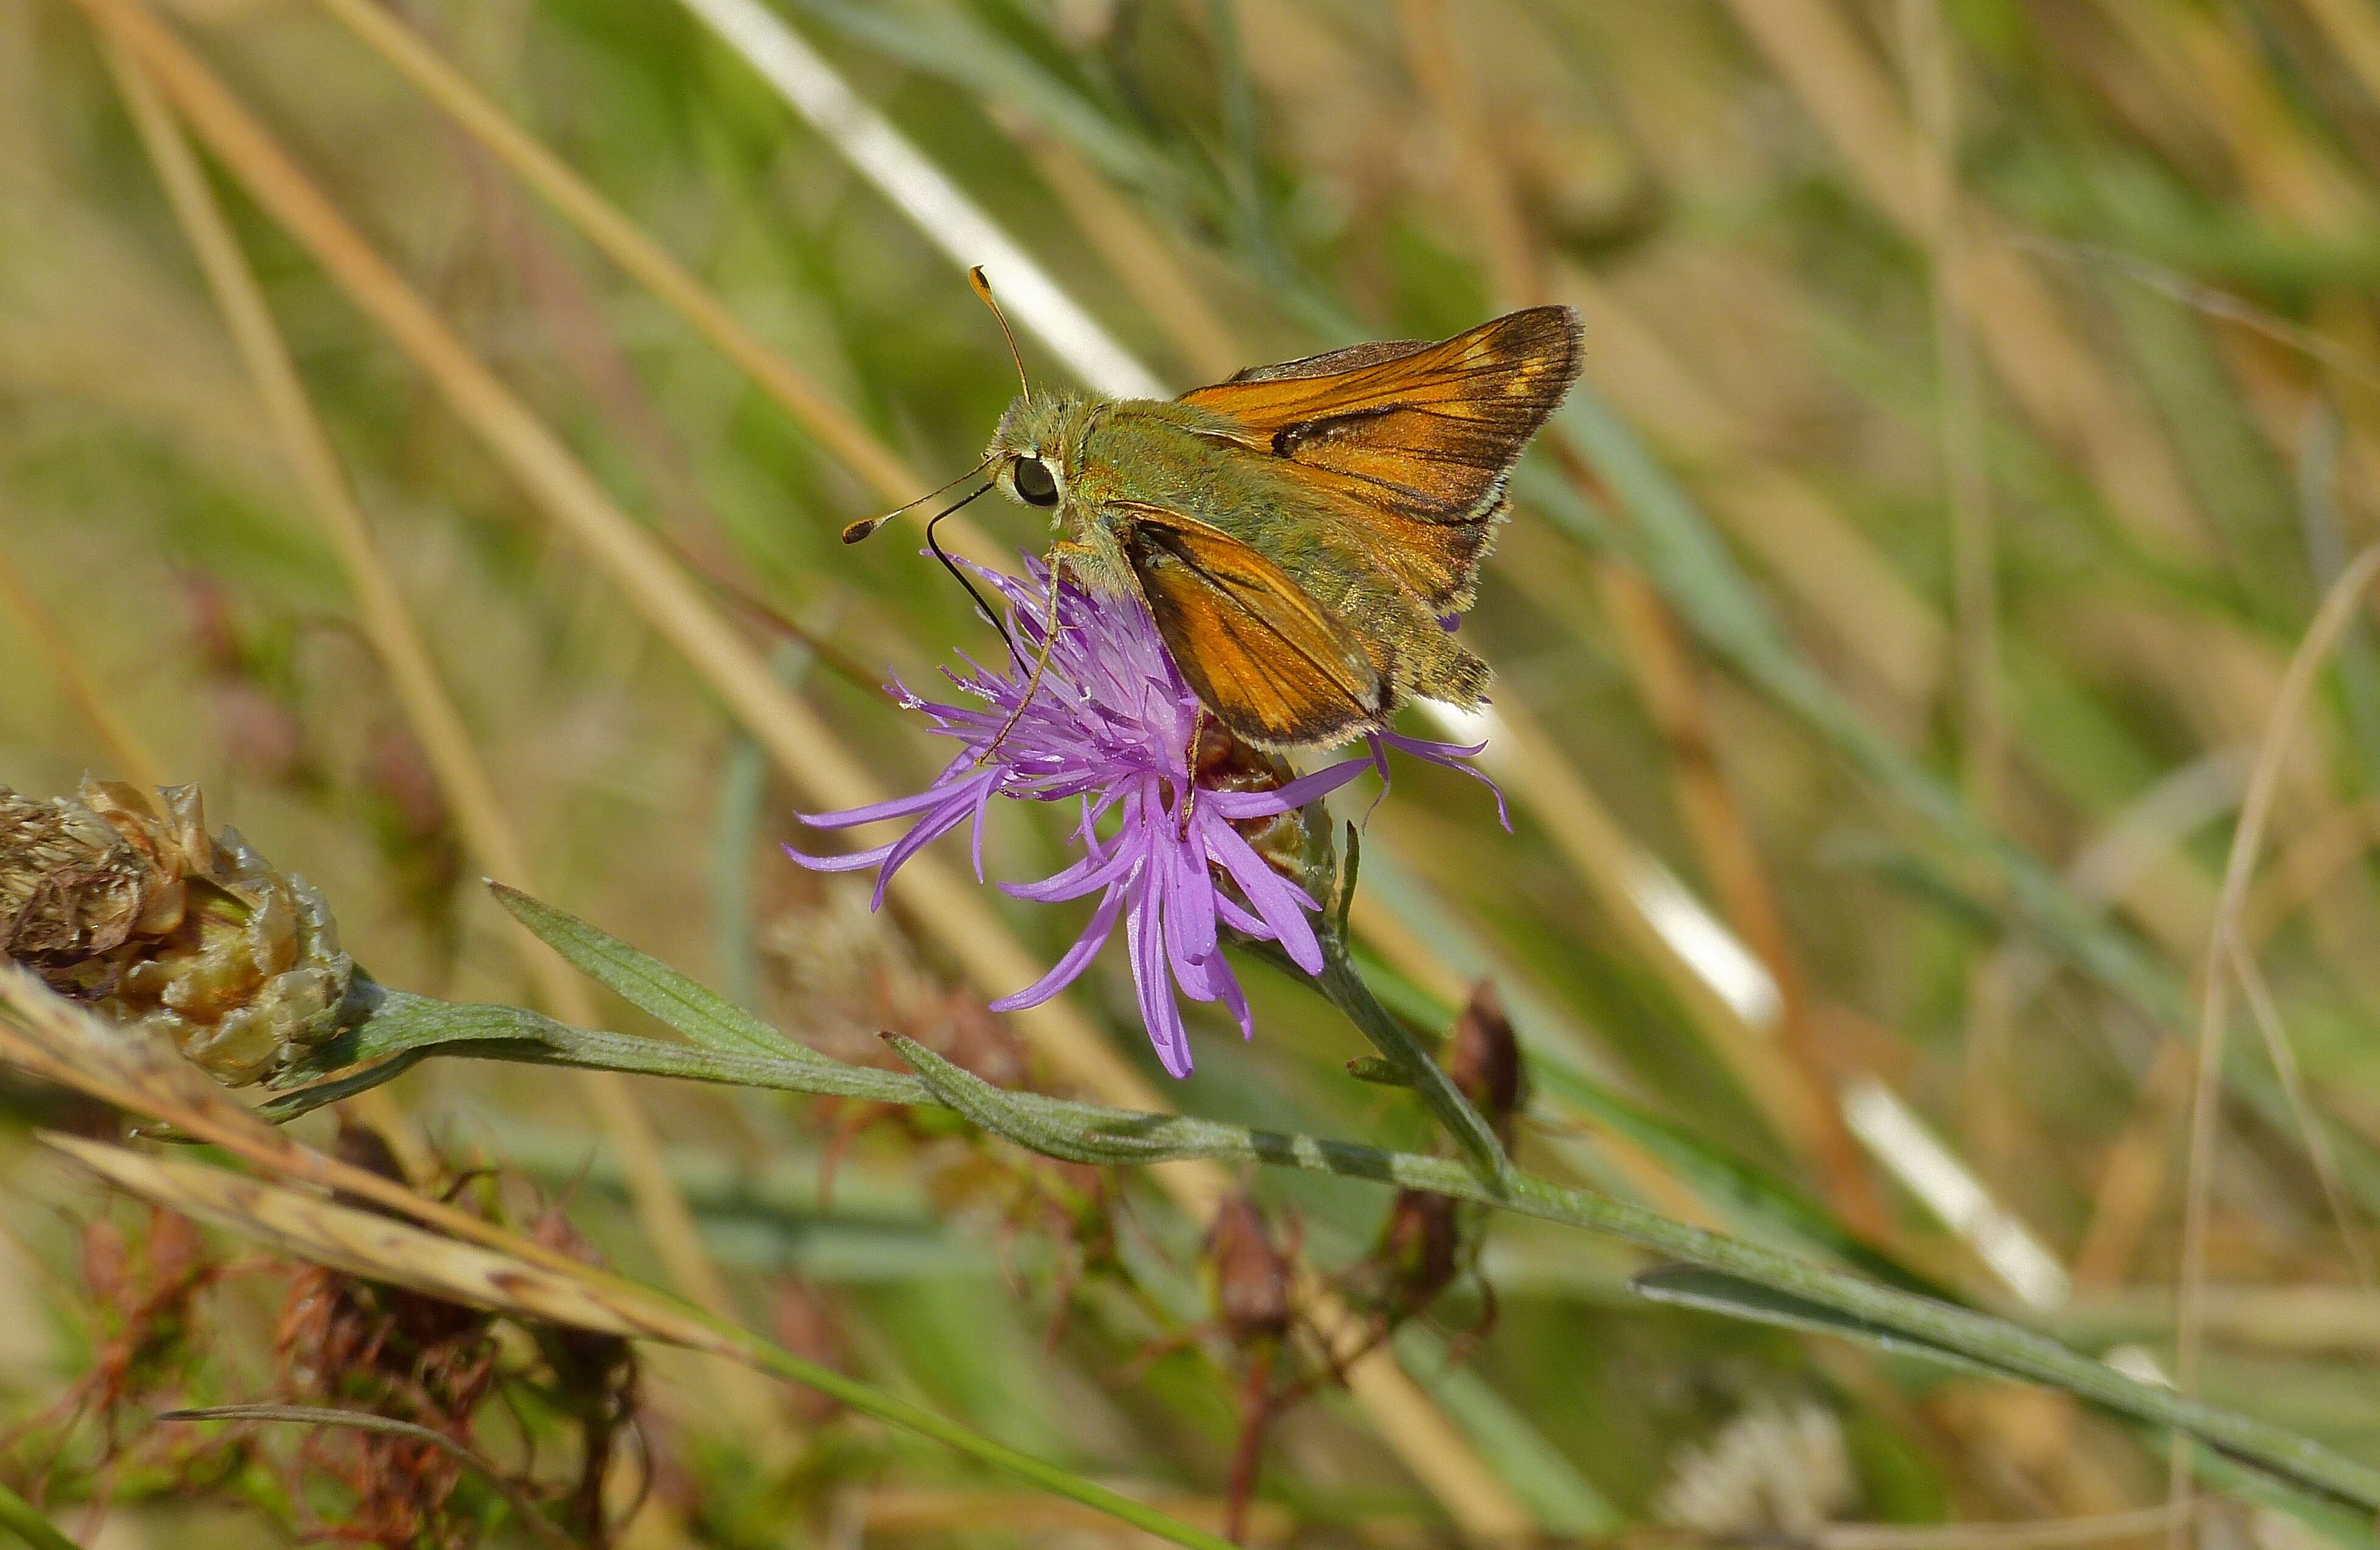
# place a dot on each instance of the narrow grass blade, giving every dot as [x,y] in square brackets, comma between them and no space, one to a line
[1716,1292]
[17,1516]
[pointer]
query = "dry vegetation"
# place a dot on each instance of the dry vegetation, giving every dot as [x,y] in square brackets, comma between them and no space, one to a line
[1936,701]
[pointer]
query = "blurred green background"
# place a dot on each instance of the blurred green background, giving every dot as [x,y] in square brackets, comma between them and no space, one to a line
[1980,399]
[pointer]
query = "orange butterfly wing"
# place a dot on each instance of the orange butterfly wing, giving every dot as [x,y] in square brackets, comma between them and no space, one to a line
[1406,436]
[1263,655]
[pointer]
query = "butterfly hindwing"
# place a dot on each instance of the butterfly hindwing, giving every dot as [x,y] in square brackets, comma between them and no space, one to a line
[1270,664]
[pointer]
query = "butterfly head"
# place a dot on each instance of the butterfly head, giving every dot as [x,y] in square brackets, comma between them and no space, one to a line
[1031,456]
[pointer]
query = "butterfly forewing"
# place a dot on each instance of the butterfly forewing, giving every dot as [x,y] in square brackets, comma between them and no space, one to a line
[1425,431]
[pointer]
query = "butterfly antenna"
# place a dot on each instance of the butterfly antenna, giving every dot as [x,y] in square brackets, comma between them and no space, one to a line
[959,574]
[982,289]
[861,529]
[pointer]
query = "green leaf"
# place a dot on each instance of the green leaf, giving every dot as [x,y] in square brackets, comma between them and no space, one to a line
[649,984]
[16,1515]
[398,1028]
[1767,1205]
[1716,1292]
[1073,1133]
[2276,1453]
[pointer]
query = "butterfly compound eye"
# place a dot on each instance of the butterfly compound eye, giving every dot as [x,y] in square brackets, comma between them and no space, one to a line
[1034,485]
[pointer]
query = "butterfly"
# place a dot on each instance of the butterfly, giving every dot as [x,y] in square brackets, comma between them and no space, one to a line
[1305,536]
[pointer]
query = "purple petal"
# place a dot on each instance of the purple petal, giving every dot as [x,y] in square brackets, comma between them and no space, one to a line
[1230,912]
[1078,957]
[1213,981]
[1152,985]
[931,827]
[1453,756]
[975,839]
[1189,894]
[1296,794]
[1092,873]
[898,807]
[1278,901]
[859,860]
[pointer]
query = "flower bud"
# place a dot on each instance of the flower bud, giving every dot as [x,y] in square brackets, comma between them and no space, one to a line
[1252,1277]
[1483,1058]
[127,904]
[1420,1246]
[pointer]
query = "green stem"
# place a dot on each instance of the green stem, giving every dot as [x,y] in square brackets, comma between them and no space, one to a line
[1862,1308]
[1340,982]
[779,1363]
[18,1516]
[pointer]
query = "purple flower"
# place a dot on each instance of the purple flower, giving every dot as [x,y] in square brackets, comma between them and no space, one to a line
[1111,728]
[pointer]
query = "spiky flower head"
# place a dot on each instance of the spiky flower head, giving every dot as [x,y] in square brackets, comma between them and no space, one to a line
[1179,842]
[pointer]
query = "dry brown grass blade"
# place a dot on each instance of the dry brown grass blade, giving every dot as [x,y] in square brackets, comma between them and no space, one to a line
[413,676]
[2313,861]
[2132,1176]
[2354,31]
[1434,57]
[2340,606]
[2224,87]
[822,771]
[811,406]
[1782,1070]
[49,1036]
[366,1243]
[1140,257]
[123,749]
[2283,1055]
[44,1034]
[2051,374]
[2054,1533]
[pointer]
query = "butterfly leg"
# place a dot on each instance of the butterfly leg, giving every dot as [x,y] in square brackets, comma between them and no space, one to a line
[1058,554]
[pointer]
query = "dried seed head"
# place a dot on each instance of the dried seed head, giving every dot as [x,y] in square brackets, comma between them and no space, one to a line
[128,904]
[71,887]
[1420,1247]
[1483,1058]
[1252,1277]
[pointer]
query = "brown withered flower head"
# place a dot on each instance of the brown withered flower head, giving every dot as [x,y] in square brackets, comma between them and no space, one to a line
[1483,1056]
[70,886]
[1254,1279]
[125,902]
